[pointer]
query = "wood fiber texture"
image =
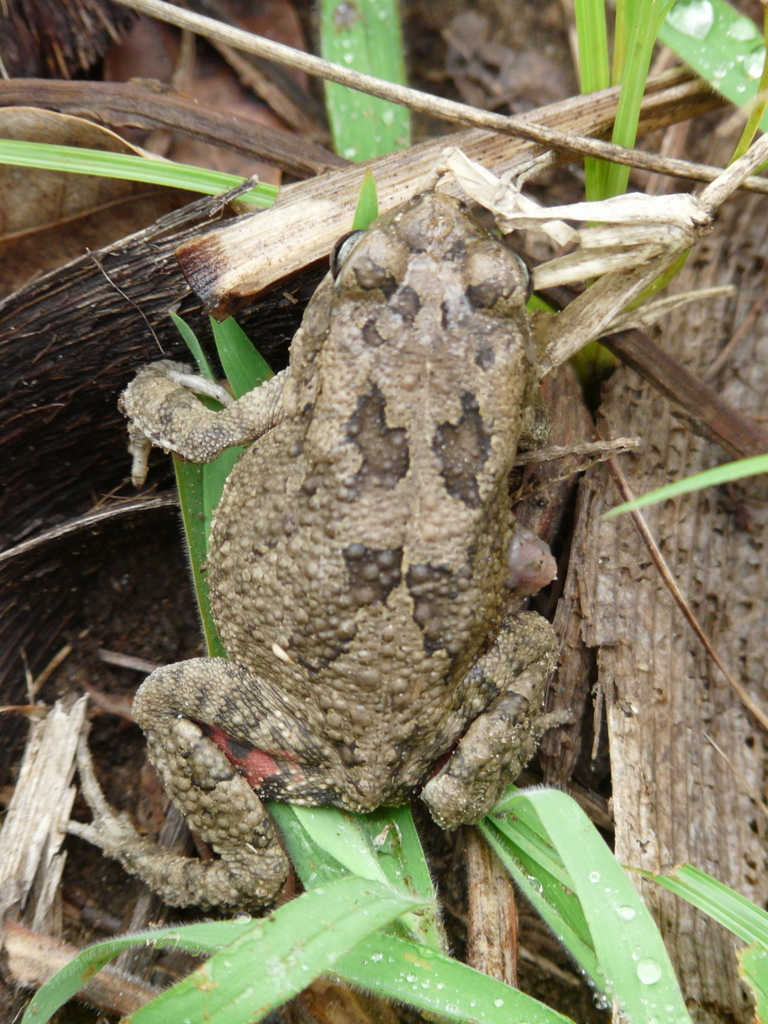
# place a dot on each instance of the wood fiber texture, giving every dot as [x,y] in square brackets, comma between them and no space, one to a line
[675,797]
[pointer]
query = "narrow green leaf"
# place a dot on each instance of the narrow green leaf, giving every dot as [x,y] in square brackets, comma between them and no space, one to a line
[435,983]
[214,477]
[756,109]
[367,209]
[636,26]
[734,911]
[365,35]
[297,943]
[753,967]
[244,366]
[198,939]
[194,346]
[400,851]
[592,33]
[192,499]
[709,478]
[594,74]
[324,843]
[640,23]
[103,164]
[343,835]
[314,865]
[245,369]
[536,869]
[195,505]
[200,487]
[226,990]
[630,950]
[520,824]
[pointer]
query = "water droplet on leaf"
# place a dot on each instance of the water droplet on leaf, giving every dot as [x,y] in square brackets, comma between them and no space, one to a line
[694,18]
[648,971]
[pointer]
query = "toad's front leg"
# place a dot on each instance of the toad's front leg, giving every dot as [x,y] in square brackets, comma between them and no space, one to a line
[162,406]
[217,802]
[501,741]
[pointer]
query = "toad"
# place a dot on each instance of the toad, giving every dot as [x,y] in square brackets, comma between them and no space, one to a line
[359,562]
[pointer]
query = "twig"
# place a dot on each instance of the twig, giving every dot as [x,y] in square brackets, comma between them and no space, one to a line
[751,792]
[121,104]
[584,449]
[448,110]
[128,299]
[33,958]
[88,521]
[61,655]
[129,661]
[715,418]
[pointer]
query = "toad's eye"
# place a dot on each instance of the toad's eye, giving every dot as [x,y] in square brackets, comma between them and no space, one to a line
[342,249]
[369,261]
[496,277]
[525,264]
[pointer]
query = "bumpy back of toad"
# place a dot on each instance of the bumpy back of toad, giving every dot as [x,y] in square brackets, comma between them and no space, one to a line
[389,478]
[415,365]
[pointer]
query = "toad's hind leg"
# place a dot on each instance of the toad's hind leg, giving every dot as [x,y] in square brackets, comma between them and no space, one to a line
[217,802]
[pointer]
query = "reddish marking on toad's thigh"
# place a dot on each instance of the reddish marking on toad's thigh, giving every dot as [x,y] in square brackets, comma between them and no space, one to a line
[257,766]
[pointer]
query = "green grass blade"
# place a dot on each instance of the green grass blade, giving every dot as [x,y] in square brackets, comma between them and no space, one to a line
[294,945]
[537,870]
[214,477]
[757,108]
[194,499]
[630,950]
[367,209]
[709,478]
[316,846]
[636,26]
[594,61]
[594,74]
[642,20]
[198,939]
[721,45]
[735,912]
[342,834]
[437,984]
[314,865]
[245,369]
[200,487]
[194,346]
[400,857]
[364,35]
[74,160]
[400,851]
[325,843]
[753,967]
[244,366]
